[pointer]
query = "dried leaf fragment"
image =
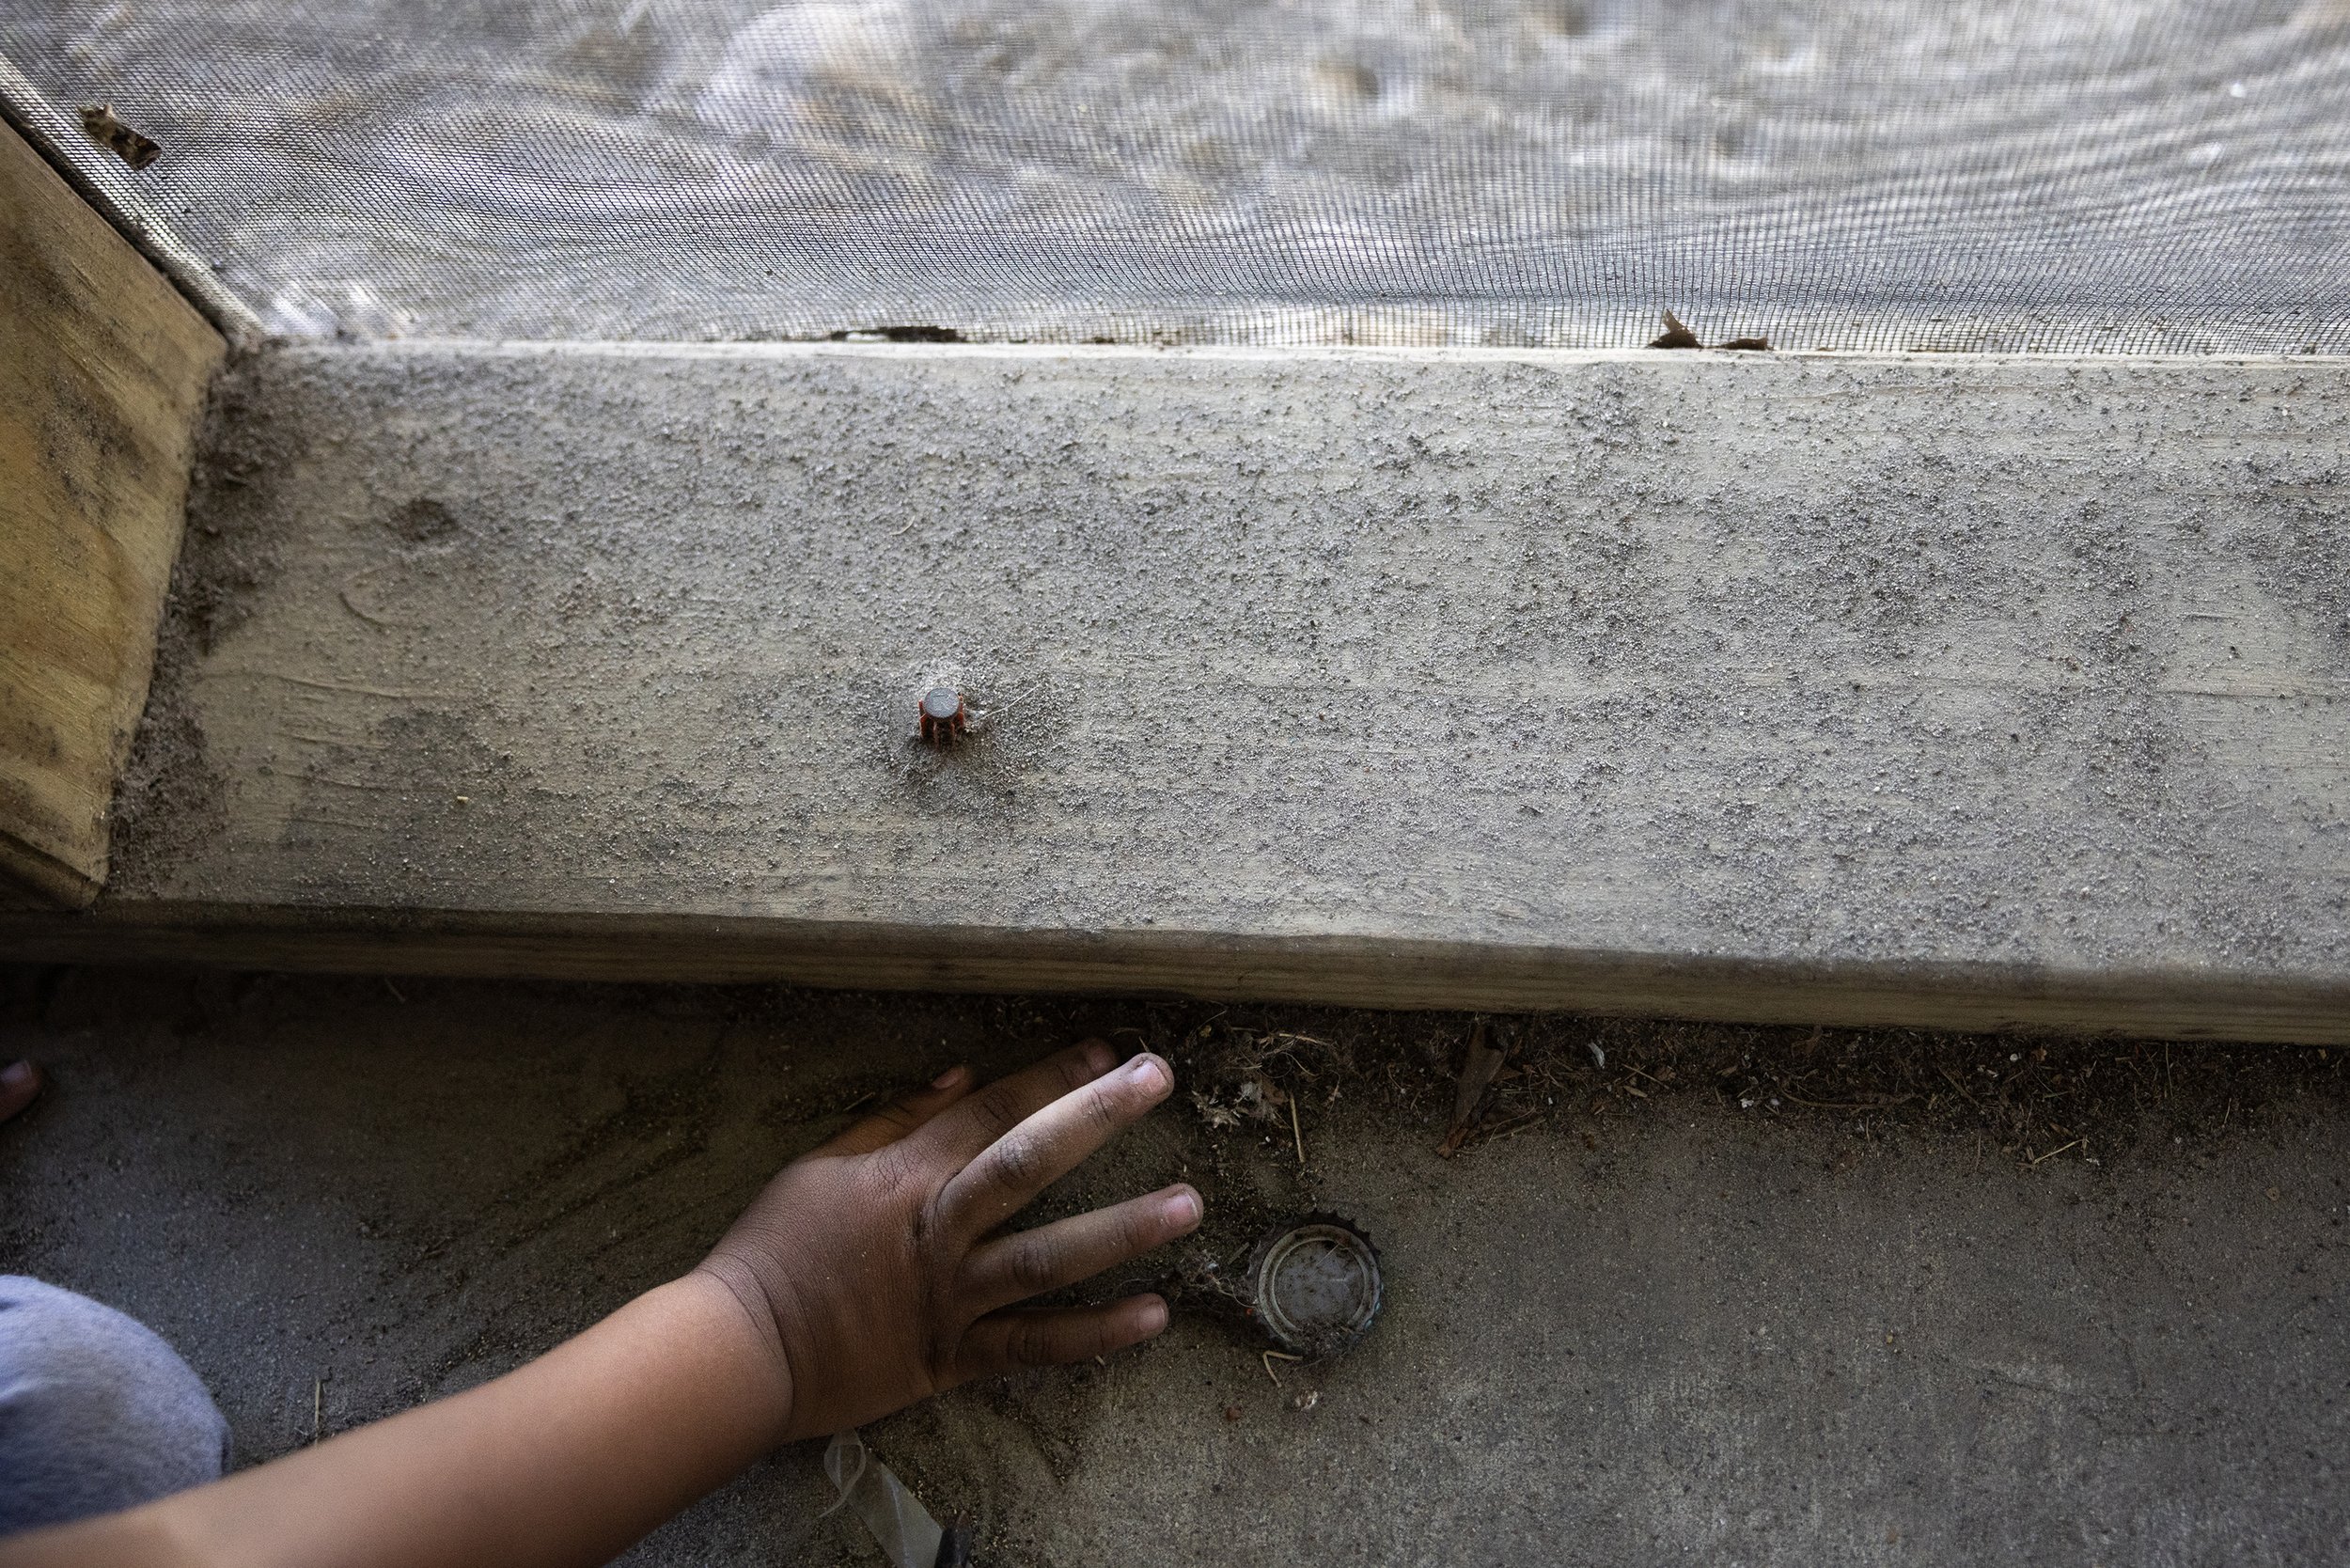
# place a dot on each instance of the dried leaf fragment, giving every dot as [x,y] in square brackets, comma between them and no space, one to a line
[107,129]
[1260,1098]
[1677,336]
[1214,1114]
[1477,1074]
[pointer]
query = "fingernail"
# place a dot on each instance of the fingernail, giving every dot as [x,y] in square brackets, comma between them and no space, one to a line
[1100,1057]
[1183,1210]
[1148,1069]
[947,1079]
[16,1075]
[1154,1315]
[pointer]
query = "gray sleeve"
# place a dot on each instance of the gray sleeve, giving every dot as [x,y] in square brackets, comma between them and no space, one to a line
[96,1412]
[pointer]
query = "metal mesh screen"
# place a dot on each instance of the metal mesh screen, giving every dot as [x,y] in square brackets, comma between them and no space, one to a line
[2061,175]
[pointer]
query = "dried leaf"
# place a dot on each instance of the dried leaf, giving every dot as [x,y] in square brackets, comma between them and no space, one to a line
[1676,336]
[1477,1074]
[107,129]
[1214,1114]
[1262,1098]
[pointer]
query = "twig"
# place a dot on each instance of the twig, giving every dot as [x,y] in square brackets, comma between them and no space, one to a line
[1513,1127]
[1849,1104]
[1273,1355]
[1006,706]
[1297,1133]
[1478,1068]
[2053,1152]
[344,594]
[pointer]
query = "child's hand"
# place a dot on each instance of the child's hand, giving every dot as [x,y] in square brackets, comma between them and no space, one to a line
[877,1262]
[867,1275]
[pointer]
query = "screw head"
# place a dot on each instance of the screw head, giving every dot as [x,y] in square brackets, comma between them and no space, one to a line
[942,715]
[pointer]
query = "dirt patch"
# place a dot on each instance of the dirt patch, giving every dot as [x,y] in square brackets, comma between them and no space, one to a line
[423,521]
[170,793]
[1258,1086]
[2031,1097]
[391,1189]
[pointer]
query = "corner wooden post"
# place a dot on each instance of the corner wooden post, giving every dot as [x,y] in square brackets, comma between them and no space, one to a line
[103,371]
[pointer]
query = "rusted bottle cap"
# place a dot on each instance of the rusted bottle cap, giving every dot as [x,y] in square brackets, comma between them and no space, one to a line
[1314,1285]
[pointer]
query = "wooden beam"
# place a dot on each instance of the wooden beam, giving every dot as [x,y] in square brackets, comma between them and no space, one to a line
[104,368]
[1347,970]
[1947,691]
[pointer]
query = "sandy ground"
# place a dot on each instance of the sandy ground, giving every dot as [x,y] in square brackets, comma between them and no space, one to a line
[1740,1296]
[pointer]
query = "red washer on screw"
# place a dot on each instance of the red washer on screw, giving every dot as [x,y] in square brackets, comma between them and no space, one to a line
[942,715]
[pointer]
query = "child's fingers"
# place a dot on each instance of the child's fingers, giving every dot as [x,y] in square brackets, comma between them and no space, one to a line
[20,1086]
[1003,1104]
[1051,1256]
[1049,1144]
[894,1122]
[1007,1341]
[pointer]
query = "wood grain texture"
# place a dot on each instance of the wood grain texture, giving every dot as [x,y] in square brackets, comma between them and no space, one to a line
[106,372]
[1335,971]
[1982,693]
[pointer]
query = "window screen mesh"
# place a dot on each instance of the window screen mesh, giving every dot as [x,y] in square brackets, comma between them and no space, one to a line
[2063,175]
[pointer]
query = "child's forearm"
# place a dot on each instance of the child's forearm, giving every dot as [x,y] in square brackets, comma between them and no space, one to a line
[868,1274]
[564,1460]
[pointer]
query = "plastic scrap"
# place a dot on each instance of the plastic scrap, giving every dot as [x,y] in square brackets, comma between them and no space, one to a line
[907,1534]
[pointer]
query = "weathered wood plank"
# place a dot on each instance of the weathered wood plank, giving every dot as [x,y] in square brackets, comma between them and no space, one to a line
[1340,970]
[102,374]
[1962,692]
